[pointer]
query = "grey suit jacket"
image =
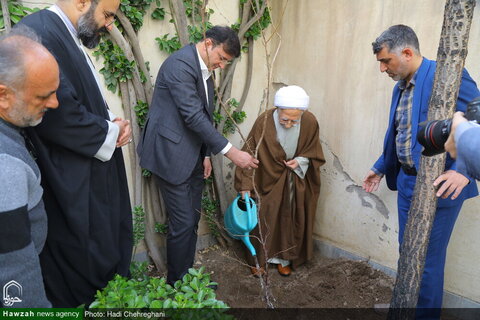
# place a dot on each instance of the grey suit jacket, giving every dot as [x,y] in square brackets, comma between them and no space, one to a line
[179,126]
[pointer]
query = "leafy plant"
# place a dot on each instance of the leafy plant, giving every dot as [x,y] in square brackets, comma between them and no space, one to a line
[141,110]
[229,126]
[135,10]
[116,65]
[255,30]
[191,292]
[210,207]
[196,32]
[193,10]
[17,12]
[138,225]
[117,68]
[158,14]
[169,45]
[146,173]
[161,228]
[139,270]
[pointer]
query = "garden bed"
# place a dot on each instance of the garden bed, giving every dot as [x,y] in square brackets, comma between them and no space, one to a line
[320,283]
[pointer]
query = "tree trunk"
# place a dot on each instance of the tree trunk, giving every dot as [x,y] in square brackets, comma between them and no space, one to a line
[178,13]
[137,52]
[6,15]
[451,56]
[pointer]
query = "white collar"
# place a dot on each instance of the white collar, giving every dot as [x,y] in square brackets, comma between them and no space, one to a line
[56,9]
[203,67]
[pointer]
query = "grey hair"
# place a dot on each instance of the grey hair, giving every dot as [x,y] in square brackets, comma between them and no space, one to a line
[13,47]
[396,38]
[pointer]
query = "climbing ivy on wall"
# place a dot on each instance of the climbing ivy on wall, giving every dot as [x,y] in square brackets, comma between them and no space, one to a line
[17,11]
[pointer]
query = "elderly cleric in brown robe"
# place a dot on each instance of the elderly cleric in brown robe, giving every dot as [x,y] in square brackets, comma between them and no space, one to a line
[287,180]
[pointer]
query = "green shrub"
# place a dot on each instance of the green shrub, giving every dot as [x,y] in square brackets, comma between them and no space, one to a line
[191,292]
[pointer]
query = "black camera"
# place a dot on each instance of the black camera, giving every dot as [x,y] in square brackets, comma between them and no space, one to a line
[433,134]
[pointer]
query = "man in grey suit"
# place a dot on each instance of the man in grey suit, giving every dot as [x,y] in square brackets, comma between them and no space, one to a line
[179,137]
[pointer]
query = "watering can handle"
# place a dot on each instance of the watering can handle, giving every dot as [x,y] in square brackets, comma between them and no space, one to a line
[249,210]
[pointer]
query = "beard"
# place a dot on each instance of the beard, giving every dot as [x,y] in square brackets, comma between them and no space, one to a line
[19,116]
[88,31]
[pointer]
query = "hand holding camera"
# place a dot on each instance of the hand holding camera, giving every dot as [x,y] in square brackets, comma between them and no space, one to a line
[434,134]
[450,146]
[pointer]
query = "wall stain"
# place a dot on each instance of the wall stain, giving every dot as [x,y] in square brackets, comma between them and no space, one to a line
[364,196]
[384,228]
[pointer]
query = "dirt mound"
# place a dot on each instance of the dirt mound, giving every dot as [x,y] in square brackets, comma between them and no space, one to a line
[320,283]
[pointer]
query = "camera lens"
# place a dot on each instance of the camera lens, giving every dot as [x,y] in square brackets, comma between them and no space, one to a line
[433,135]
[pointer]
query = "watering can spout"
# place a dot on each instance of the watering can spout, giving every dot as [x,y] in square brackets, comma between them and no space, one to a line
[246,241]
[239,222]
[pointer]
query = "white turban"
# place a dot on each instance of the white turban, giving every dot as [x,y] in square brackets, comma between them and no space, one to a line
[291,97]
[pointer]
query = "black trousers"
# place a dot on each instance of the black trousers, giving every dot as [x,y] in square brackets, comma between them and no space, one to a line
[183,204]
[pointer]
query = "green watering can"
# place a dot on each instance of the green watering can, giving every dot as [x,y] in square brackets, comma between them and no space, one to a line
[240,219]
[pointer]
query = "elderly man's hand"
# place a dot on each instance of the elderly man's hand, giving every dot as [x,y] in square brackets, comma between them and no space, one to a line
[244,192]
[292,164]
[450,146]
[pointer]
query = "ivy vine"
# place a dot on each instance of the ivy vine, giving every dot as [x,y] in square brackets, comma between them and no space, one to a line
[238,117]
[17,12]
[116,67]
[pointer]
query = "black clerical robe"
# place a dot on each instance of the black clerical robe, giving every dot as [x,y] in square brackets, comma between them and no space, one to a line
[87,201]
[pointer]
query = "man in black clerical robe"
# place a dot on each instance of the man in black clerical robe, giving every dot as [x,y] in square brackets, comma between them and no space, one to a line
[77,148]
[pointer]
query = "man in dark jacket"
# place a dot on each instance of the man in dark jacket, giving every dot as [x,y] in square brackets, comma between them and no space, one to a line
[78,152]
[179,137]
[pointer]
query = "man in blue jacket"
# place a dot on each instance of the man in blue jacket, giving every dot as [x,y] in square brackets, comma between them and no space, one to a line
[397,50]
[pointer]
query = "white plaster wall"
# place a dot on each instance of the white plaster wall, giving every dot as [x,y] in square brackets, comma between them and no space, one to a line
[326,48]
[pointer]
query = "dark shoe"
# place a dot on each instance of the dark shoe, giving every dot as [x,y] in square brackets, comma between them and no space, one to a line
[257,272]
[284,271]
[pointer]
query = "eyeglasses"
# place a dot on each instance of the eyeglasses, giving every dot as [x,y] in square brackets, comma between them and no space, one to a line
[290,121]
[108,16]
[224,60]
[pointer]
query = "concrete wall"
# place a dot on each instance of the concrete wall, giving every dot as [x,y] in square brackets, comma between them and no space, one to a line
[326,49]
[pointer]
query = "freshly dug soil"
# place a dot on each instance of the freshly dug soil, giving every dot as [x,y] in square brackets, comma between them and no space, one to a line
[320,283]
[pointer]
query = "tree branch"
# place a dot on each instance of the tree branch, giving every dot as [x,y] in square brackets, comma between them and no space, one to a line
[6,15]
[178,12]
[137,53]
[248,79]
[252,20]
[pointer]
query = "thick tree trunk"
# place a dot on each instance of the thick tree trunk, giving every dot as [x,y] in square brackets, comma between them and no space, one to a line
[451,56]
[145,192]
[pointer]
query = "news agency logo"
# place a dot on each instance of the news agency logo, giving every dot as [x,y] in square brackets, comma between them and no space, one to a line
[12,293]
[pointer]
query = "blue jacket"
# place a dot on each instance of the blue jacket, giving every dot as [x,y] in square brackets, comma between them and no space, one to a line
[388,163]
[467,139]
